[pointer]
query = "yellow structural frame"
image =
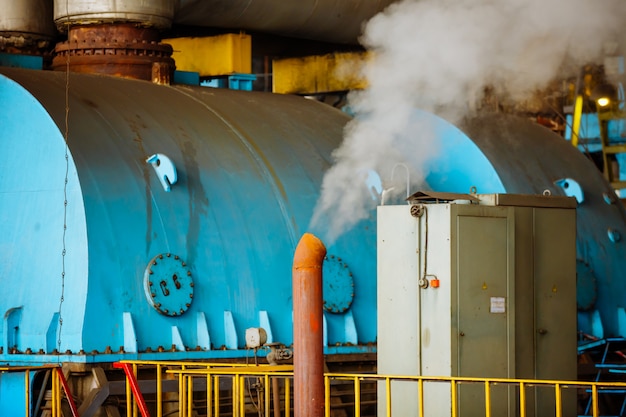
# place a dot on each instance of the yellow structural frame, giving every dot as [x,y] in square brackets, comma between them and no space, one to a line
[213,55]
[319,73]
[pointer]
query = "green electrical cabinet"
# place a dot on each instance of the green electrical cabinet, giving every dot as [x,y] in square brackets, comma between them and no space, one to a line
[484,287]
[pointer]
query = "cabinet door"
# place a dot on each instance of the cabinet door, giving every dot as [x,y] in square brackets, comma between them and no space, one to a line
[555,302]
[484,252]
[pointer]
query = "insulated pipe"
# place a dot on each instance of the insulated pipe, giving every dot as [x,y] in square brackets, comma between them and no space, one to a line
[26,24]
[308,358]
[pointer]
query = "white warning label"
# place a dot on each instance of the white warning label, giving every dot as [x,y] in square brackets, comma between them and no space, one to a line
[498,305]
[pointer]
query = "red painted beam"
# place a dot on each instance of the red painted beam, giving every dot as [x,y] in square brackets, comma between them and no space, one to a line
[134,386]
[68,394]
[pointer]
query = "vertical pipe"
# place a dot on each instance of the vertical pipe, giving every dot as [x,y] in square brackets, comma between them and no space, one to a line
[308,358]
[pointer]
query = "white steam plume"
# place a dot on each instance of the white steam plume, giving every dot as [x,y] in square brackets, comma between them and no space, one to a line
[438,55]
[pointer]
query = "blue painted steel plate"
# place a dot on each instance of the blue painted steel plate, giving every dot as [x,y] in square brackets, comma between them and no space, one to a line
[338,285]
[586,289]
[168,285]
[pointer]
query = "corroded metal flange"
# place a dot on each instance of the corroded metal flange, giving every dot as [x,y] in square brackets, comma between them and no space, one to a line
[123,50]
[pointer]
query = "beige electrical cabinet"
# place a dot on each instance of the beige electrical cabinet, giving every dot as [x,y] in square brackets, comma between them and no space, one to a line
[483,288]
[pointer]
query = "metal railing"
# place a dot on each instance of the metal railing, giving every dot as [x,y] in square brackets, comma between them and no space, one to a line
[60,388]
[227,389]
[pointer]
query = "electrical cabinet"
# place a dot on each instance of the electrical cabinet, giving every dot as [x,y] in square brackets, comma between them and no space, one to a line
[483,289]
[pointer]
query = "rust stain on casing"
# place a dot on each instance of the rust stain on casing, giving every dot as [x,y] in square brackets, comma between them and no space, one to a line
[308,327]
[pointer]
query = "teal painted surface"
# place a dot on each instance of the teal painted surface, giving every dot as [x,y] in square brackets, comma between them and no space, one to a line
[13,394]
[249,169]
[31,224]
[21,61]
[460,164]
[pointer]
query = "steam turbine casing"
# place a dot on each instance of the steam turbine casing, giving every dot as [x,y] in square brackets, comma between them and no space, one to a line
[499,153]
[249,170]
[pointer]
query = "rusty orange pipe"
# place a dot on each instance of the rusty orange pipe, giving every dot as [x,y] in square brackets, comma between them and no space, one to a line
[308,357]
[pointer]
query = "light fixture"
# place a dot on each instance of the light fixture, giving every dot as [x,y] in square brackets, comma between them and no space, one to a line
[604,95]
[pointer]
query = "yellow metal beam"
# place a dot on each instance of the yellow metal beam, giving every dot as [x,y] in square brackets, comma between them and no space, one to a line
[213,55]
[319,73]
[578,111]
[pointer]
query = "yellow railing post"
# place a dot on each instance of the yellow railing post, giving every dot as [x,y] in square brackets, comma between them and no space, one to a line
[129,398]
[27,391]
[453,397]
[159,391]
[557,400]
[594,400]
[217,396]
[487,399]
[420,396]
[287,397]
[357,397]
[326,396]
[135,408]
[190,395]
[522,400]
[267,392]
[241,396]
[388,395]
[209,389]
[181,394]
[55,392]
[235,400]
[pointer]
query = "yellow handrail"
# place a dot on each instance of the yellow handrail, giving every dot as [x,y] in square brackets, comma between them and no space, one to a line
[263,374]
[58,385]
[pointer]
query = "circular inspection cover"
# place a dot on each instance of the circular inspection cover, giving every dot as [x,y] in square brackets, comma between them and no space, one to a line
[338,285]
[168,285]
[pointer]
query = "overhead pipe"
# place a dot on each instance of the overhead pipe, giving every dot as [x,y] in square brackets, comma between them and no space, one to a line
[26,25]
[308,362]
[154,13]
[114,37]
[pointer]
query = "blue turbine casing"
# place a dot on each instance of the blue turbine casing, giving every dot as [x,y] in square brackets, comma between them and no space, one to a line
[510,154]
[248,172]
[245,174]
